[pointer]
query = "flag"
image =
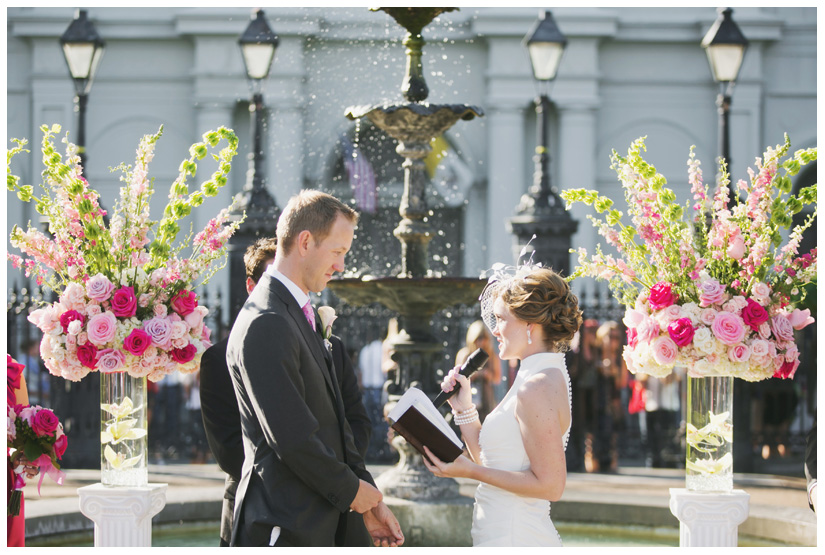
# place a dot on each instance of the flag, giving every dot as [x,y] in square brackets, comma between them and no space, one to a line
[361,177]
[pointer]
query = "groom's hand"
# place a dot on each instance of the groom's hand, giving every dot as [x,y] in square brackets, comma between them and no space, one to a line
[367,497]
[383,527]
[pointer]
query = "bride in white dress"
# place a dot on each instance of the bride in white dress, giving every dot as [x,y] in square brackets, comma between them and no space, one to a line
[518,454]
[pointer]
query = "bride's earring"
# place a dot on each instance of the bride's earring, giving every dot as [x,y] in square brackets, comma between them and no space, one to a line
[529,339]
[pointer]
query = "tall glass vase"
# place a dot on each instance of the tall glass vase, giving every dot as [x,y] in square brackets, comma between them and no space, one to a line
[709,457]
[123,443]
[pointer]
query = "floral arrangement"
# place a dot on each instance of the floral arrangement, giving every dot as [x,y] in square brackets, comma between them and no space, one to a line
[126,299]
[716,294]
[327,315]
[37,433]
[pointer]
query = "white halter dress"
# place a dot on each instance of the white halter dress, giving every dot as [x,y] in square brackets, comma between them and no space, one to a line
[501,518]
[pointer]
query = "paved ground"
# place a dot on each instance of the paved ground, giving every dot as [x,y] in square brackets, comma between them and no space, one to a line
[199,488]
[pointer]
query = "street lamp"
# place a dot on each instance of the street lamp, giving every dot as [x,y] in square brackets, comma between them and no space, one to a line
[82,48]
[541,211]
[258,44]
[725,46]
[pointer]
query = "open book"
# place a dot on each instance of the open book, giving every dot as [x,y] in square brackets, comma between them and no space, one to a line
[419,422]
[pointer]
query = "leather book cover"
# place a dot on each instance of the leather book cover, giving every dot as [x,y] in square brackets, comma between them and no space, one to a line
[417,430]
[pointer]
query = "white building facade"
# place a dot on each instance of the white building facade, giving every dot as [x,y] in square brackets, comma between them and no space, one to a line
[626,72]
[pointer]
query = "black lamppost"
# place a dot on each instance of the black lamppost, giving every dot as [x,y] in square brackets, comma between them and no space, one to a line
[725,46]
[83,48]
[541,211]
[258,44]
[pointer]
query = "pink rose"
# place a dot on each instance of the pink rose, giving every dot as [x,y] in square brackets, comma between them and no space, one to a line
[681,331]
[46,319]
[93,310]
[800,318]
[760,348]
[44,423]
[159,310]
[137,342]
[195,318]
[124,302]
[73,297]
[102,328]
[70,316]
[144,300]
[159,329]
[184,355]
[739,353]
[707,316]
[782,328]
[632,318]
[728,328]
[60,446]
[109,360]
[179,329]
[87,355]
[754,314]
[99,288]
[736,246]
[661,296]
[632,337]
[711,292]
[761,292]
[664,351]
[184,302]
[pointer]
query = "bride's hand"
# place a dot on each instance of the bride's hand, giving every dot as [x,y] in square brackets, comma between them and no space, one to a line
[459,468]
[464,398]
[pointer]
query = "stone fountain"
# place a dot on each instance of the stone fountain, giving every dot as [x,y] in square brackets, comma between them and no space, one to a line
[415,294]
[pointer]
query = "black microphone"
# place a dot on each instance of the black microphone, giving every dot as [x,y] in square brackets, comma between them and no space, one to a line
[473,363]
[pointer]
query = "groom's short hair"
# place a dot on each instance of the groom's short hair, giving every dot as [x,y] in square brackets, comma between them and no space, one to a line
[312,211]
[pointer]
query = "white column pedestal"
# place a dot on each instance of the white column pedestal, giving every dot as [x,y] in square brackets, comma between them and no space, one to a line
[709,519]
[122,515]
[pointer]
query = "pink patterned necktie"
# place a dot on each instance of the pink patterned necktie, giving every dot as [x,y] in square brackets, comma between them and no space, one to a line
[309,314]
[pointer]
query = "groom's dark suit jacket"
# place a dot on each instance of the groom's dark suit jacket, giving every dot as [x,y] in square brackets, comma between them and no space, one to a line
[222,419]
[301,469]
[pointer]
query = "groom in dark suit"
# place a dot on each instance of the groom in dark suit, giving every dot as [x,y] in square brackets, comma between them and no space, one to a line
[302,473]
[219,408]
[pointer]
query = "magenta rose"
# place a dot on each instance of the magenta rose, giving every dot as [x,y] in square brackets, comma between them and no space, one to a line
[87,355]
[661,296]
[711,292]
[782,328]
[185,354]
[70,316]
[109,360]
[60,446]
[99,288]
[664,351]
[681,331]
[137,342]
[184,302]
[124,302]
[44,423]
[754,314]
[102,328]
[787,370]
[728,328]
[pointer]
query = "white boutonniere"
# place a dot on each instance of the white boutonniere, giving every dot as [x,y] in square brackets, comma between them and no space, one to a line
[327,315]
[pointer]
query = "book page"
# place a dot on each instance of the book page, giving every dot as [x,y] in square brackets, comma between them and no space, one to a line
[414,397]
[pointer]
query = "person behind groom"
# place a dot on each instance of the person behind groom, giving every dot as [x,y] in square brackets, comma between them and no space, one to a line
[302,473]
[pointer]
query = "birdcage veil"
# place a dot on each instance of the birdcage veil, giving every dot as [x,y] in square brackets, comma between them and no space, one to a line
[499,278]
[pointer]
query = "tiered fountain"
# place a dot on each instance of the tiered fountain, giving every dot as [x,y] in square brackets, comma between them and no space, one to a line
[415,294]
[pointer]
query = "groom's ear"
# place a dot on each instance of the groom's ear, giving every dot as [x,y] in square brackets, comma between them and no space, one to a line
[303,240]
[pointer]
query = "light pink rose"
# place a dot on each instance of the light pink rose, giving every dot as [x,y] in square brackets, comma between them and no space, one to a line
[195,318]
[99,288]
[110,360]
[728,328]
[792,353]
[180,342]
[179,329]
[710,292]
[764,330]
[159,310]
[782,328]
[648,330]
[800,318]
[707,316]
[739,353]
[82,338]
[761,292]
[159,329]
[27,414]
[102,328]
[664,351]
[760,348]
[75,326]
[46,319]
[736,247]
[74,297]
[93,310]
[632,318]
[144,300]
[670,314]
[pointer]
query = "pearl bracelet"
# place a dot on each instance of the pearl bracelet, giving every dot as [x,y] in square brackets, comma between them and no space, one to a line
[460,421]
[465,412]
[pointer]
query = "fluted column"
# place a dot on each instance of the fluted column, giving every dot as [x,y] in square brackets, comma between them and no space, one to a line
[709,519]
[122,516]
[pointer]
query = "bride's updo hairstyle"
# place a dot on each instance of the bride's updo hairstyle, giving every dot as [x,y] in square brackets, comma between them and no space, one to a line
[542,297]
